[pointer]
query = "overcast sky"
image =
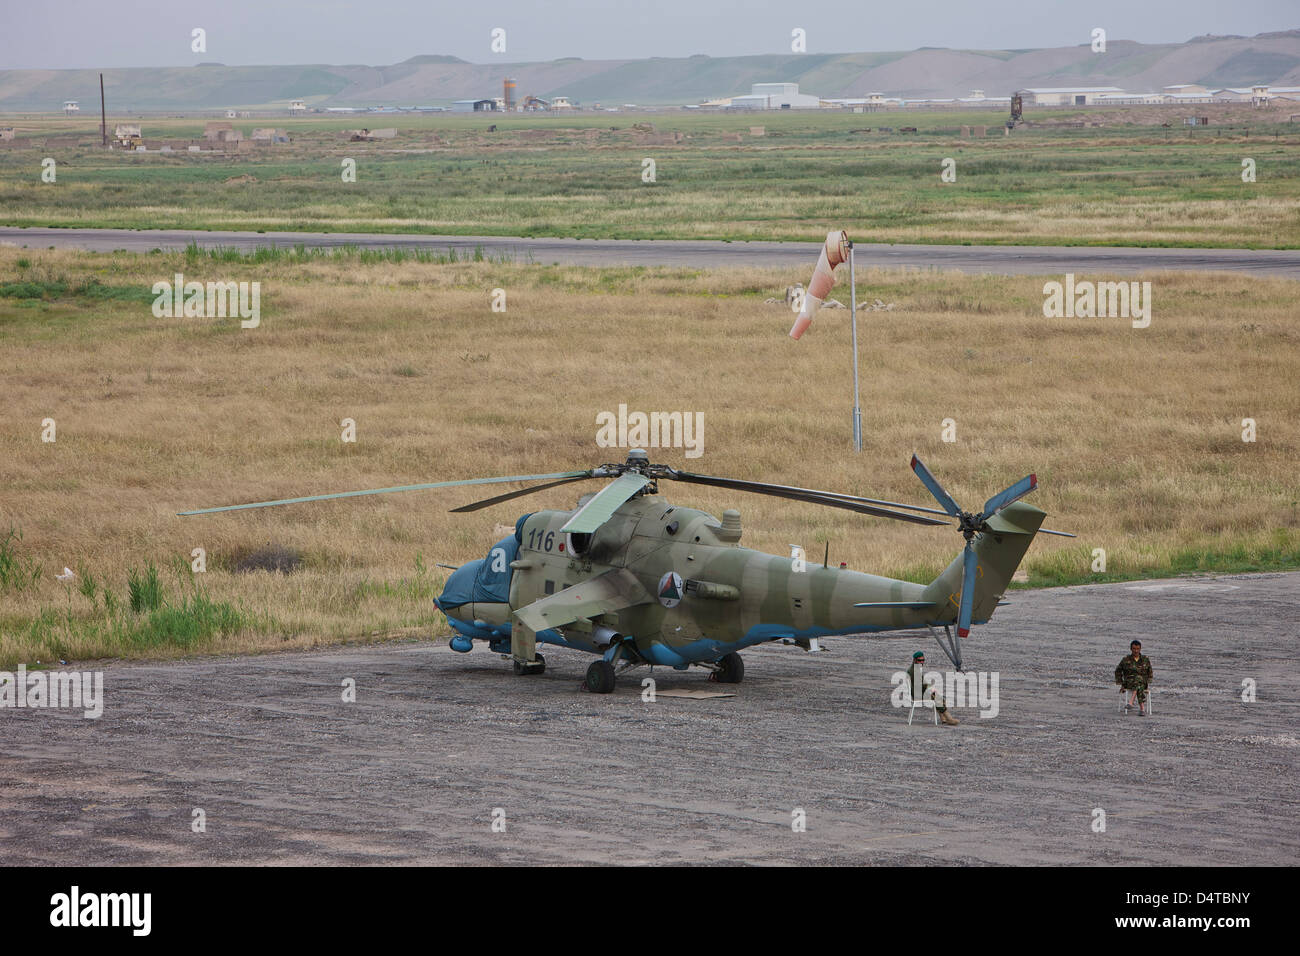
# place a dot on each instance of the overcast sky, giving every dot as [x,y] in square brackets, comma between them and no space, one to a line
[119,33]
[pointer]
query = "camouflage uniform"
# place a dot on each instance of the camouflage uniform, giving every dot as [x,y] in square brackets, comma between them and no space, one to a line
[1134,675]
[939,705]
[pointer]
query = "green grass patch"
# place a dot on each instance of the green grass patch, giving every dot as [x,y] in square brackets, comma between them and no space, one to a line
[17,571]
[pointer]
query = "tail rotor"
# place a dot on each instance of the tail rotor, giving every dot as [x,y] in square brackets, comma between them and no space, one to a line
[970,524]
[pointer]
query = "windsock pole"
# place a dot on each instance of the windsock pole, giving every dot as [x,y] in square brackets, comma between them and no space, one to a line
[853,306]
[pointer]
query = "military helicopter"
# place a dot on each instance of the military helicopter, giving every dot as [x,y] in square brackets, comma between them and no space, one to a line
[639,581]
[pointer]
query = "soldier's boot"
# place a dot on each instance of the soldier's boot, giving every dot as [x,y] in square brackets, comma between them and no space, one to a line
[949,719]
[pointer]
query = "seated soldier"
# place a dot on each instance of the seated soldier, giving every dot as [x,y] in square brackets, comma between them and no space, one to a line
[1134,675]
[920,692]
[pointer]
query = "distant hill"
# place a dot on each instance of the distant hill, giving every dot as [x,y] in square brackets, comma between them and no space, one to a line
[1272,58]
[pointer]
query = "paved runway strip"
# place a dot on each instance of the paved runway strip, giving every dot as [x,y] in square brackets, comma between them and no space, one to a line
[1003,260]
[412,771]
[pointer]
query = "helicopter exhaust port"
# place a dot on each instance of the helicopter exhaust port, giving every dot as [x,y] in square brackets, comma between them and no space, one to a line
[577,543]
[603,636]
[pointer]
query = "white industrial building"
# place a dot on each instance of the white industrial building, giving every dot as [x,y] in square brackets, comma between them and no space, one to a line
[1132,99]
[1070,95]
[1259,95]
[772,96]
[776,96]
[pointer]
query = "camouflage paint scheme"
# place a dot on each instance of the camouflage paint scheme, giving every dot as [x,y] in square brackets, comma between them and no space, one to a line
[600,593]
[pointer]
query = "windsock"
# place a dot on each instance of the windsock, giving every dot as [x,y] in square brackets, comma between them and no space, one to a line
[834,252]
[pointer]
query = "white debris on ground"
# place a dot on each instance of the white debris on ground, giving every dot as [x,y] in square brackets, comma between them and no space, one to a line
[794,294]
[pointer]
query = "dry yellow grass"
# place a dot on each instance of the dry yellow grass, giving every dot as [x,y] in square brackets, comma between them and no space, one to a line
[1134,434]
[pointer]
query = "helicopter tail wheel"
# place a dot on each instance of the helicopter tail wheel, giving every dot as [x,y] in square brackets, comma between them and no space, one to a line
[600,677]
[731,669]
[537,668]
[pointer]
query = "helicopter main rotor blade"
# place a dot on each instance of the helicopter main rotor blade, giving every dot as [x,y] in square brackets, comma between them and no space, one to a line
[828,499]
[385,491]
[934,487]
[487,502]
[740,484]
[606,501]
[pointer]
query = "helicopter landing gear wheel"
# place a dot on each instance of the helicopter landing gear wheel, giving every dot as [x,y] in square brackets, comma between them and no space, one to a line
[600,677]
[538,668]
[731,669]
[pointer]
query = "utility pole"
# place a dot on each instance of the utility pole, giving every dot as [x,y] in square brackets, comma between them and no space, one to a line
[103,117]
[853,307]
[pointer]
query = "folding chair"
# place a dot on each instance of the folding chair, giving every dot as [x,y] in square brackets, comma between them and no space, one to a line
[1124,704]
[923,702]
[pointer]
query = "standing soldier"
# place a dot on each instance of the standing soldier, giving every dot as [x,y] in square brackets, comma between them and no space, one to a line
[1134,675]
[914,683]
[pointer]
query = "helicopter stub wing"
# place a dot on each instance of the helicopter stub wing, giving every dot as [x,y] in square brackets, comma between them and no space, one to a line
[604,594]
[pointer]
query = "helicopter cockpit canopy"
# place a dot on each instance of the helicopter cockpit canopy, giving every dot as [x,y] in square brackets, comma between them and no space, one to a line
[486,580]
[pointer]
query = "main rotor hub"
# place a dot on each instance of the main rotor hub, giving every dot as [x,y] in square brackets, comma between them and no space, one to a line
[638,462]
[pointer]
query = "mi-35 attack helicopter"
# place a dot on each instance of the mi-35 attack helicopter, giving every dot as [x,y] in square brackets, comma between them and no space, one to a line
[638,581]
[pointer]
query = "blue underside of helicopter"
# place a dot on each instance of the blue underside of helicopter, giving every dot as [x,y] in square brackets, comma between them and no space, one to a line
[682,656]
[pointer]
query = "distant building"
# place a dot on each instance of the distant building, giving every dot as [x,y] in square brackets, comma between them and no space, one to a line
[127,136]
[977,98]
[561,103]
[222,133]
[70,107]
[1130,99]
[776,96]
[266,134]
[6,132]
[297,106]
[1187,93]
[1069,95]
[474,106]
[1232,94]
